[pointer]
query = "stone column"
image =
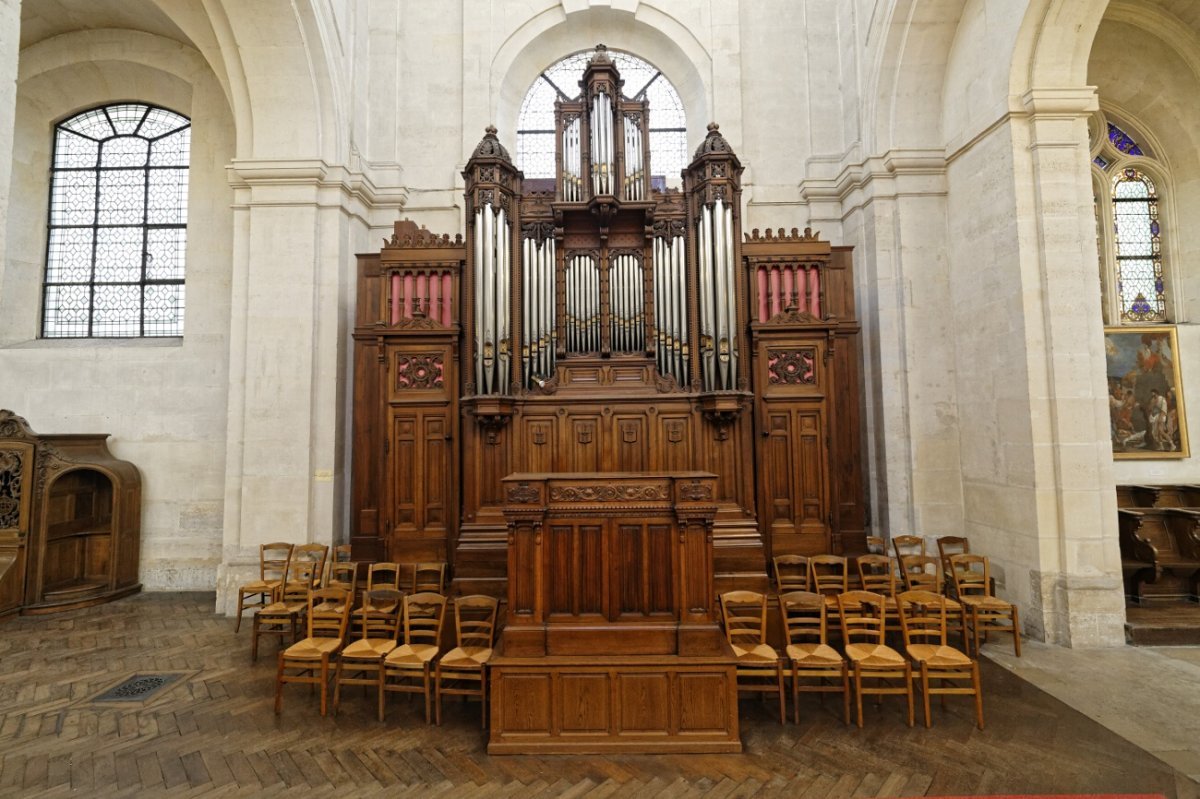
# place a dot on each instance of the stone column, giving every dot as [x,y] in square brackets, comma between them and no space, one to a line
[1078,590]
[297,225]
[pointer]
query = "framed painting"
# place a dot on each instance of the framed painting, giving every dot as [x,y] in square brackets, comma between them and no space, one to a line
[1145,394]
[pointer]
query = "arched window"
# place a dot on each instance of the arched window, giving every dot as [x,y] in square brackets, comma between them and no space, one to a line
[118,224]
[642,81]
[1129,224]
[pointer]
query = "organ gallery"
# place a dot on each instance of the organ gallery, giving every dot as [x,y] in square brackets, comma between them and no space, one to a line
[601,323]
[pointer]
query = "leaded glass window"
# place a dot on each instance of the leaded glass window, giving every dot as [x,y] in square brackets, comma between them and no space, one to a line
[1138,239]
[1130,224]
[668,122]
[118,224]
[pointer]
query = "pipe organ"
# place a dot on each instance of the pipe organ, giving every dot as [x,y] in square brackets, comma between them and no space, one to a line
[598,323]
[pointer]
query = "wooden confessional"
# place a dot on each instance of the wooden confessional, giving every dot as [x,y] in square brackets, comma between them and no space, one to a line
[599,325]
[70,520]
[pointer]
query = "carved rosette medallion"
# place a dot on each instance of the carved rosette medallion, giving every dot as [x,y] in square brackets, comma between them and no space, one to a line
[609,493]
[792,367]
[419,371]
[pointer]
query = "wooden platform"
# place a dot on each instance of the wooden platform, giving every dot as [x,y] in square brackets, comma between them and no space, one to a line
[214,734]
[1163,625]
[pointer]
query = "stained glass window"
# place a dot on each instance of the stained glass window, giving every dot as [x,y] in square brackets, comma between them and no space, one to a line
[668,122]
[1138,240]
[1121,140]
[118,224]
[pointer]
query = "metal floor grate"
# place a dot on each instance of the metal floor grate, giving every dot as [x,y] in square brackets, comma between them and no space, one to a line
[139,688]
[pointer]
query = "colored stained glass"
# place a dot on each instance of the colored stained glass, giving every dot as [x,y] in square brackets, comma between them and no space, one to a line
[118,224]
[1121,140]
[1100,161]
[668,122]
[1140,285]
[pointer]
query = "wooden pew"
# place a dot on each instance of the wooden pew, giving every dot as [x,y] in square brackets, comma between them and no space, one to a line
[1161,496]
[1160,552]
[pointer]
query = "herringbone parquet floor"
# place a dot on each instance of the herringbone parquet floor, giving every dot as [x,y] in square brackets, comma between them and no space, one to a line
[214,733]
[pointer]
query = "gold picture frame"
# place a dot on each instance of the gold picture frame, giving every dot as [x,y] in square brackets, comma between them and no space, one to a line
[1145,392]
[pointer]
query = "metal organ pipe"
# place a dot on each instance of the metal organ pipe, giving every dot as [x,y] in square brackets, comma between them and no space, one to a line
[719,269]
[679,314]
[479,305]
[731,299]
[503,282]
[707,320]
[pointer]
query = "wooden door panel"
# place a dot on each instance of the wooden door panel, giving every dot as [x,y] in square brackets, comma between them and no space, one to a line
[406,465]
[631,444]
[436,459]
[583,444]
[811,476]
[674,446]
[778,467]
[536,452]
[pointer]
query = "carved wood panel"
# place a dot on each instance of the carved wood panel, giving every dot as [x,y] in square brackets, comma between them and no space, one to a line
[795,476]
[419,460]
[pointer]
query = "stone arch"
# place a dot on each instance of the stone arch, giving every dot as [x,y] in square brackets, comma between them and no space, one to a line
[649,33]
[909,73]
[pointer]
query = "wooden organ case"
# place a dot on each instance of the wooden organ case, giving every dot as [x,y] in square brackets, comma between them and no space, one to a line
[601,324]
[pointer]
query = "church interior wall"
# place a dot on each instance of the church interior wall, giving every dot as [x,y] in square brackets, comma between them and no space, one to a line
[163,401]
[898,127]
[1144,79]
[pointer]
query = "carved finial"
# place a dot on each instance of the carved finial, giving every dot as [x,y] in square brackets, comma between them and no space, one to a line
[714,142]
[490,146]
[601,55]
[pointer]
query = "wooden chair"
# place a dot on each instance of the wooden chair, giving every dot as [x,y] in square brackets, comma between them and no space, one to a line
[429,577]
[344,575]
[379,575]
[273,562]
[791,572]
[877,574]
[328,615]
[829,576]
[876,545]
[315,554]
[463,670]
[923,617]
[809,654]
[282,617]
[983,612]
[864,621]
[758,665]
[948,545]
[905,545]
[407,668]
[924,573]
[380,622]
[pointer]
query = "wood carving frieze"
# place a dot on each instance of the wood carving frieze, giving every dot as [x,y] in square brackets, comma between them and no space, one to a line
[609,493]
[523,495]
[12,467]
[419,371]
[695,491]
[792,367]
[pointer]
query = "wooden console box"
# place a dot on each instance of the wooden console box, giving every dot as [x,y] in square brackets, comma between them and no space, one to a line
[611,641]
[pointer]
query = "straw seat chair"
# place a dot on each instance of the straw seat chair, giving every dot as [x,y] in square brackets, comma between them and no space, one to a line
[808,654]
[864,619]
[923,617]
[282,617]
[308,659]
[273,562]
[361,662]
[463,670]
[759,668]
[409,667]
[791,573]
[983,613]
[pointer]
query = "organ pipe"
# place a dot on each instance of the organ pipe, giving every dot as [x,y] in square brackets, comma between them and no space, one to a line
[493,276]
